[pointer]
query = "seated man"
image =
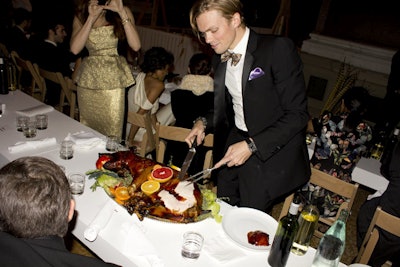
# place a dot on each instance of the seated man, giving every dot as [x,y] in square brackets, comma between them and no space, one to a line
[388,246]
[35,208]
[50,54]
[17,37]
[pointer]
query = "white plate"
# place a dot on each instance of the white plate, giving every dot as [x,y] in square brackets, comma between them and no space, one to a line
[239,221]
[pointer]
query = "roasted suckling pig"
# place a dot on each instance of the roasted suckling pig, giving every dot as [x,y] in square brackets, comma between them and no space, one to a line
[175,201]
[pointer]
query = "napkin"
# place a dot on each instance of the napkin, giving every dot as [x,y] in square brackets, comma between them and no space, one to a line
[30,145]
[220,248]
[100,221]
[33,111]
[137,244]
[85,140]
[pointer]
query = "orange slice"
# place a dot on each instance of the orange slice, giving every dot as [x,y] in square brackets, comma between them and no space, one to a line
[150,187]
[122,193]
[157,166]
[162,174]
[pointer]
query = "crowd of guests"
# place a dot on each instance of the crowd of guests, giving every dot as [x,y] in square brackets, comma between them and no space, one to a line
[211,97]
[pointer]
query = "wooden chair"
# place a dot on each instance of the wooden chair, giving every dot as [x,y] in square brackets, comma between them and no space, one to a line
[382,220]
[147,122]
[3,50]
[25,66]
[173,133]
[68,89]
[333,184]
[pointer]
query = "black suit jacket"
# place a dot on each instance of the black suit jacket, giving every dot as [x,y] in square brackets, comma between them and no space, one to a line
[17,41]
[186,107]
[52,58]
[47,251]
[275,112]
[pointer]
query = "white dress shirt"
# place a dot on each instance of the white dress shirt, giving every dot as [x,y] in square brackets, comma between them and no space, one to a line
[233,81]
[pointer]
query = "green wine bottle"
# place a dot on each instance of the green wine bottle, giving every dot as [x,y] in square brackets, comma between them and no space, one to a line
[284,236]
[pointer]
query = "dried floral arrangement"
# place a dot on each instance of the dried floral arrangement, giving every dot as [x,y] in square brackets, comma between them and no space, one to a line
[345,80]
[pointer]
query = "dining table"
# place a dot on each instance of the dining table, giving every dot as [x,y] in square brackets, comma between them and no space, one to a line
[367,172]
[122,238]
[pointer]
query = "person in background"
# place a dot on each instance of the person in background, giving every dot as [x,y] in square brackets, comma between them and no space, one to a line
[50,54]
[35,210]
[103,76]
[144,96]
[390,117]
[341,140]
[18,36]
[260,113]
[388,246]
[193,98]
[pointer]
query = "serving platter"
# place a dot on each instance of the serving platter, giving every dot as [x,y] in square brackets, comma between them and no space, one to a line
[240,221]
[127,171]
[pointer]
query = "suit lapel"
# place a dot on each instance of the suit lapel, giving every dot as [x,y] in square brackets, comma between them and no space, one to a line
[219,91]
[249,59]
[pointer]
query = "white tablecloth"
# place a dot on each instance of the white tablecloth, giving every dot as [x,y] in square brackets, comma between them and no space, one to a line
[367,173]
[112,243]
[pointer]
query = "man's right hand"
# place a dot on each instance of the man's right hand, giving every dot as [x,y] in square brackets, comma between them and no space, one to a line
[196,132]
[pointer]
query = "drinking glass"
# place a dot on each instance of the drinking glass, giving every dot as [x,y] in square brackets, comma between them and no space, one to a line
[29,129]
[112,143]
[192,244]
[41,121]
[67,150]
[77,183]
[21,121]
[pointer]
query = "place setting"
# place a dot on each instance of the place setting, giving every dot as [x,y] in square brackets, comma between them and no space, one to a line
[29,127]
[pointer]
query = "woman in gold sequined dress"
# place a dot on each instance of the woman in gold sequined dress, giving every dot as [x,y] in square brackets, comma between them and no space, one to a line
[103,75]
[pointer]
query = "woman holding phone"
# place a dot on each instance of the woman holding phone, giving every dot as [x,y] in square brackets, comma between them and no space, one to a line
[104,75]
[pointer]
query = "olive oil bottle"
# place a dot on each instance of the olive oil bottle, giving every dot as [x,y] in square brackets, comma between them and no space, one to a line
[308,222]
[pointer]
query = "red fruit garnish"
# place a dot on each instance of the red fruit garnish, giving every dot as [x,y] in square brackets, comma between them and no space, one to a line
[162,174]
[101,160]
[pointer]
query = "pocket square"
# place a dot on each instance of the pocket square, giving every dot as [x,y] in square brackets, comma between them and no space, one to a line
[256,73]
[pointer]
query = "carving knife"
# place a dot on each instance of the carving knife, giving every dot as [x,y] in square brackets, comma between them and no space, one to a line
[188,160]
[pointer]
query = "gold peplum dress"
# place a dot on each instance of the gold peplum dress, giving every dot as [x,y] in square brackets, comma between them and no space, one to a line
[102,79]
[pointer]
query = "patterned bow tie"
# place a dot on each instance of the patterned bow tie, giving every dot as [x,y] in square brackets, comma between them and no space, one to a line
[235,57]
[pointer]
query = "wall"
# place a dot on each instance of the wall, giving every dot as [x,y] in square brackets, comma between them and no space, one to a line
[322,57]
[181,46]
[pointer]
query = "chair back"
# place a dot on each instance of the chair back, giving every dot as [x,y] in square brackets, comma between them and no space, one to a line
[35,88]
[165,133]
[145,121]
[4,50]
[68,89]
[382,220]
[333,184]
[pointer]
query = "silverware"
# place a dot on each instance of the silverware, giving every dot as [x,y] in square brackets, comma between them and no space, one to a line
[188,160]
[198,176]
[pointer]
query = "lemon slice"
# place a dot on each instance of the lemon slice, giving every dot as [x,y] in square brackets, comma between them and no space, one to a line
[150,187]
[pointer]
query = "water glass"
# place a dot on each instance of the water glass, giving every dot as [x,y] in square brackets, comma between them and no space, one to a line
[77,183]
[2,109]
[41,121]
[67,150]
[112,143]
[21,121]
[29,129]
[192,244]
